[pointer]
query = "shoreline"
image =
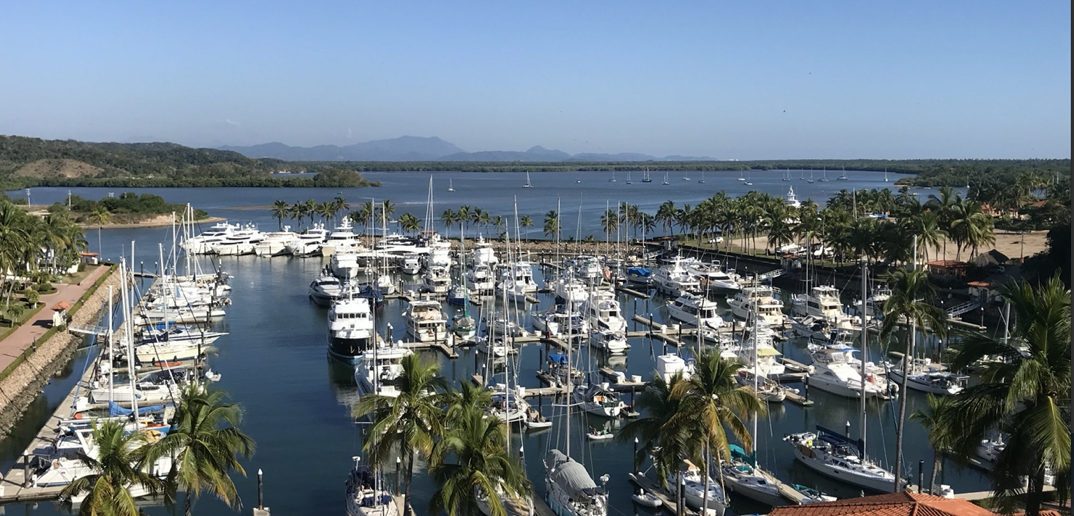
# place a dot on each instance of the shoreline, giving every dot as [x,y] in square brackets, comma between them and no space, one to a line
[153,222]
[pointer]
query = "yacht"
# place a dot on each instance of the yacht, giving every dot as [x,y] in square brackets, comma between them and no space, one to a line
[570,490]
[483,254]
[439,254]
[670,365]
[341,240]
[712,277]
[822,301]
[172,333]
[518,280]
[767,363]
[425,320]
[274,243]
[366,495]
[928,377]
[586,268]
[610,342]
[153,352]
[694,488]
[598,399]
[378,369]
[639,276]
[792,200]
[833,373]
[350,327]
[742,478]
[436,280]
[150,388]
[561,320]
[241,241]
[509,407]
[836,456]
[344,265]
[812,327]
[758,300]
[308,242]
[480,280]
[674,279]
[204,242]
[325,290]
[695,310]
[410,265]
[528,184]
[569,289]
[603,310]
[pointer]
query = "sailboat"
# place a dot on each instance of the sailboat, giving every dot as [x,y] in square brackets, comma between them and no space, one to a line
[810,176]
[787,174]
[527,185]
[824,176]
[686,177]
[802,176]
[844,176]
[628,181]
[612,180]
[666,182]
[702,180]
[570,491]
[741,177]
[646,178]
[885,175]
[749,180]
[450,188]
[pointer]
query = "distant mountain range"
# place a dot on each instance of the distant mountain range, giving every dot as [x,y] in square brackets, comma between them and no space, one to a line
[413,148]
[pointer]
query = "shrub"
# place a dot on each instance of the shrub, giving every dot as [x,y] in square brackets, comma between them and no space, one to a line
[32,297]
[44,287]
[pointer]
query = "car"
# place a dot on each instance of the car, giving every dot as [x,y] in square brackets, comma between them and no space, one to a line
[716,240]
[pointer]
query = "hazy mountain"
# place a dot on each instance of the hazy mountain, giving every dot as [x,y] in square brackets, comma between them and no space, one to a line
[411,148]
[404,148]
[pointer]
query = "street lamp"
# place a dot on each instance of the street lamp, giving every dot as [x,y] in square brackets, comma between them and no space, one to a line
[635,456]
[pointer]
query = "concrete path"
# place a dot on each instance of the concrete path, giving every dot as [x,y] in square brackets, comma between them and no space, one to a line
[24,336]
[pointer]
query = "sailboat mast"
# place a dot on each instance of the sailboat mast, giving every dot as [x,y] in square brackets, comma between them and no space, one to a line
[864,347]
[111,349]
[570,373]
[755,372]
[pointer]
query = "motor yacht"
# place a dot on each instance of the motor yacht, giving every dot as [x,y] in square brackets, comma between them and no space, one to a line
[603,310]
[695,310]
[831,373]
[345,265]
[610,342]
[341,240]
[758,299]
[674,279]
[204,242]
[241,241]
[410,264]
[569,289]
[821,301]
[483,254]
[350,327]
[712,277]
[836,456]
[425,320]
[274,243]
[669,365]
[325,290]
[791,199]
[308,242]
[481,280]
[377,370]
[928,377]
[436,281]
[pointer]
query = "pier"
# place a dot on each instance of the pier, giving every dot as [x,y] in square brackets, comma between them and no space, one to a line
[666,502]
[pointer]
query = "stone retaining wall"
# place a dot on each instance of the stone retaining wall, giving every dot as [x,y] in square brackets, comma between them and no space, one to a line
[25,383]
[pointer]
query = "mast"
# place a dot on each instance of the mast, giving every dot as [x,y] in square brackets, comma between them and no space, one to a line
[755,378]
[864,347]
[570,373]
[111,350]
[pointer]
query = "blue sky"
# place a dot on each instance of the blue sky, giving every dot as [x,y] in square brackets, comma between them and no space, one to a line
[733,80]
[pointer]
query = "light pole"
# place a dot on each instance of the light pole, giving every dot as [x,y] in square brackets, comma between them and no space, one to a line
[398,461]
[635,456]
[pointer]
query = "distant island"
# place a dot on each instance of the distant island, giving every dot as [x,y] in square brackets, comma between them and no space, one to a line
[128,209]
[26,162]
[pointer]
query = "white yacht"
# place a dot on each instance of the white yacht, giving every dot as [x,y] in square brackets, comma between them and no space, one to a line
[823,301]
[587,268]
[767,363]
[695,489]
[570,489]
[768,309]
[274,242]
[610,342]
[696,310]
[480,280]
[366,494]
[410,264]
[325,290]
[598,399]
[436,281]
[670,365]
[569,289]
[154,352]
[172,333]
[341,240]
[603,309]
[836,456]
[561,320]
[712,276]
[674,279]
[308,242]
[425,320]
[928,377]
[518,279]
[832,373]
[812,327]
[791,199]
[241,241]
[742,478]
[204,242]
[350,327]
[509,407]
[378,368]
[483,254]
[344,265]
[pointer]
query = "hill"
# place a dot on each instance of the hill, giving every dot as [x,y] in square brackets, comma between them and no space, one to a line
[404,148]
[28,162]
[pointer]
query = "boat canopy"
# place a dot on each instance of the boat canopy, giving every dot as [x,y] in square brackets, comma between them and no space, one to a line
[115,410]
[570,475]
[639,271]
[837,438]
[557,358]
[738,453]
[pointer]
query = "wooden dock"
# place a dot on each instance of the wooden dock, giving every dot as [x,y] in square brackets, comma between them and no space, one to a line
[530,392]
[667,502]
[632,292]
[437,345]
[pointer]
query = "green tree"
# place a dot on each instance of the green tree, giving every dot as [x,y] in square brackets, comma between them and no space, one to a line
[551,224]
[941,436]
[526,222]
[656,431]
[118,466]
[409,222]
[1025,394]
[204,441]
[410,422]
[909,289]
[665,215]
[280,210]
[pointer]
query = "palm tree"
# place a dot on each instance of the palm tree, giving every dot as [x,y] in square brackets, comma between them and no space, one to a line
[389,208]
[665,215]
[940,436]
[551,224]
[118,465]
[16,242]
[666,441]
[409,222]
[203,442]
[470,461]
[298,212]
[929,234]
[326,210]
[909,288]
[280,209]
[945,206]
[711,402]
[409,422]
[526,222]
[340,204]
[609,221]
[1025,394]
[447,219]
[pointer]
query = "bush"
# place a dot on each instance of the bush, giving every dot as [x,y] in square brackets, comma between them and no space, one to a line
[32,297]
[44,287]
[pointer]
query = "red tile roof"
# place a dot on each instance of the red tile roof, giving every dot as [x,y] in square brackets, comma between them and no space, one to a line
[891,504]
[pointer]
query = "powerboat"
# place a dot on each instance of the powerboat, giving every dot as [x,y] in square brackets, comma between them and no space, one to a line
[694,489]
[757,299]
[425,320]
[791,199]
[608,341]
[204,242]
[308,242]
[695,310]
[436,280]
[674,279]
[711,276]
[836,456]
[241,241]
[670,365]
[345,264]
[833,374]
[325,290]
[366,495]
[743,478]
[602,308]
[350,327]
[274,242]
[341,240]
[481,280]
[598,399]
[928,377]
[378,369]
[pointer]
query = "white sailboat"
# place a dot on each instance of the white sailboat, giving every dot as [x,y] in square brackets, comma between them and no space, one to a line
[749,179]
[885,175]
[666,182]
[702,180]
[450,187]
[528,184]
[844,176]
[612,180]
[628,181]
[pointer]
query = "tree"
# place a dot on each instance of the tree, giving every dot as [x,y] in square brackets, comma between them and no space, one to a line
[448,219]
[666,441]
[1025,394]
[470,461]
[909,288]
[118,466]
[203,442]
[551,224]
[409,422]
[711,402]
[941,436]
[409,222]
[526,222]
[280,209]
[665,215]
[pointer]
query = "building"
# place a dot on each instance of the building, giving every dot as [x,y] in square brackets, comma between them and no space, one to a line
[891,504]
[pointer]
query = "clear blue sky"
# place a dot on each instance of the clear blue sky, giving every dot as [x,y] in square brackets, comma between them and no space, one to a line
[736,80]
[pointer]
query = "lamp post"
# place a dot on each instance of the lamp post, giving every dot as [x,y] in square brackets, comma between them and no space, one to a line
[635,461]
[260,490]
[398,461]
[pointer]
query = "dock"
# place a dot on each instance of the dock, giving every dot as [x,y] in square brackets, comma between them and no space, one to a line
[437,345]
[667,502]
[632,292]
[479,380]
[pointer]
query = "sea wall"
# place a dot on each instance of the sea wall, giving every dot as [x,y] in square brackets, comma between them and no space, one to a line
[24,383]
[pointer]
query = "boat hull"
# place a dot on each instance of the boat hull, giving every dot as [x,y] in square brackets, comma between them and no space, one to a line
[874,484]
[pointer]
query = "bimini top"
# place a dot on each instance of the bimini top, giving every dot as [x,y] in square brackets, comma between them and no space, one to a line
[557,358]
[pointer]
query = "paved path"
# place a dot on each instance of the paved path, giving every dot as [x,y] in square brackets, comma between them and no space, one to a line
[24,336]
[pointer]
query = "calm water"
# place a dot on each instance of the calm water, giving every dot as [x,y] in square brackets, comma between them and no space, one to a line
[297,401]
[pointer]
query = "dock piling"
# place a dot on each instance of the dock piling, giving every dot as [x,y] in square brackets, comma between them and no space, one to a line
[920,475]
[25,469]
[260,490]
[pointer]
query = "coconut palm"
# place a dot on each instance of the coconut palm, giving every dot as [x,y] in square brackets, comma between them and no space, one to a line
[526,222]
[665,441]
[1025,394]
[909,289]
[117,466]
[470,461]
[665,215]
[388,206]
[280,209]
[409,422]
[944,205]
[551,224]
[940,436]
[16,243]
[326,210]
[409,222]
[712,402]
[203,442]
[448,219]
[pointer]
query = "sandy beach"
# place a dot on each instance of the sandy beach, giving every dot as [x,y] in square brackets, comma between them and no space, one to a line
[159,221]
